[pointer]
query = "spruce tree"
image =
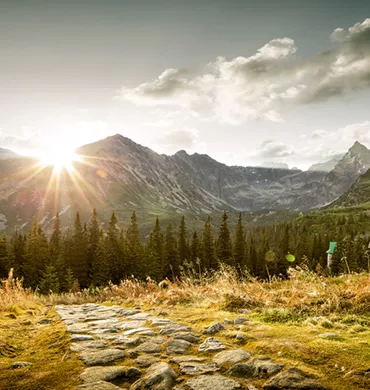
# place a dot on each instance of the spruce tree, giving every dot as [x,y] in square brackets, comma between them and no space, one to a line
[224,246]
[49,281]
[155,262]
[209,260]
[100,272]
[4,257]
[172,265]
[114,251]
[183,246]
[134,249]
[239,245]
[195,248]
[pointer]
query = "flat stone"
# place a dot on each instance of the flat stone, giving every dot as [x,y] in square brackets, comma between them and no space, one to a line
[149,347]
[191,368]
[173,328]
[186,358]
[81,337]
[264,368]
[128,325]
[159,321]
[98,373]
[240,320]
[293,379]
[241,370]
[215,328]
[130,342]
[177,346]
[213,382]
[145,361]
[78,328]
[234,356]
[159,376]
[83,346]
[187,336]
[137,330]
[211,345]
[100,385]
[21,365]
[98,358]
[158,340]
[126,313]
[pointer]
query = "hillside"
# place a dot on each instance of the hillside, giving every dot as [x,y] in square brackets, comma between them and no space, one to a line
[117,174]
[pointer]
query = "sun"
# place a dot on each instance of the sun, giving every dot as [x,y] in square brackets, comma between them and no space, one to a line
[58,159]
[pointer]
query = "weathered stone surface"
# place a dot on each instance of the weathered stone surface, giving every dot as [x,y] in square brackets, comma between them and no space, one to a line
[21,365]
[78,328]
[130,342]
[234,356]
[211,345]
[158,340]
[82,346]
[215,328]
[159,376]
[187,336]
[98,373]
[173,328]
[192,368]
[177,346]
[137,330]
[265,368]
[97,358]
[81,337]
[100,385]
[149,347]
[128,325]
[213,382]
[293,379]
[241,370]
[240,320]
[186,358]
[145,361]
[159,321]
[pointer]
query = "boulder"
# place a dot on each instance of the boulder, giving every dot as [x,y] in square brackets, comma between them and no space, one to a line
[215,328]
[149,347]
[100,385]
[159,376]
[177,346]
[99,373]
[211,345]
[226,358]
[213,382]
[99,358]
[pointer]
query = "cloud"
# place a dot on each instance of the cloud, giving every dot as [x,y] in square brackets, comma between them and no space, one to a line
[261,85]
[274,150]
[318,134]
[174,140]
[356,132]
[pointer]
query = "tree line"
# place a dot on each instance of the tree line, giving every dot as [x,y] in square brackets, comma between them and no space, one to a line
[85,255]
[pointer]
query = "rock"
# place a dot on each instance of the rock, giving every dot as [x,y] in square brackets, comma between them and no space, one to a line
[264,368]
[26,322]
[128,325]
[130,342]
[159,376]
[100,385]
[293,379]
[159,321]
[81,337]
[191,368]
[149,347]
[95,374]
[45,321]
[145,361]
[328,335]
[137,330]
[242,338]
[213,382]
[158,340]
[173,328]
[177,346]
[211,345]
[234,356]
[187,336]
[227,321]
[78,328]
[21,365]
[241,371]
[185,359]
[240,320]
[82,346]
[215,328]
[97,358]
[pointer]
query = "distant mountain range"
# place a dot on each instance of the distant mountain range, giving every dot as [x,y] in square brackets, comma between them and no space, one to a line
[122,175]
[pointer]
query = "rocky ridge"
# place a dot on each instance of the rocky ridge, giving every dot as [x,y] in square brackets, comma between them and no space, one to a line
[161,354]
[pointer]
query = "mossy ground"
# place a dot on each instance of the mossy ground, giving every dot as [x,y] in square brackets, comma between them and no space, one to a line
[46,346]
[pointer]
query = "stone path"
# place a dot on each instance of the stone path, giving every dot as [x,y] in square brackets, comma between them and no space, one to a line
[163,355]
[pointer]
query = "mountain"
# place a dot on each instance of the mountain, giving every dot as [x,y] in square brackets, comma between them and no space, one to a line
[116,173]
[358,194]
[326,166]
[6,153]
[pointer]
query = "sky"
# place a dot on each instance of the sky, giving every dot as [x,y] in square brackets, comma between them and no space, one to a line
[253,82]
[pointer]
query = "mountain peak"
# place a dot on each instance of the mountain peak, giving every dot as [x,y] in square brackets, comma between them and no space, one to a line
[358,148]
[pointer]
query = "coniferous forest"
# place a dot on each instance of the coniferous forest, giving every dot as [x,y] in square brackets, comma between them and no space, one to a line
[84,255]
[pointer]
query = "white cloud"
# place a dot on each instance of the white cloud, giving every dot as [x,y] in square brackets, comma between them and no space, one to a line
[173,140]
[356,132]
[259,86]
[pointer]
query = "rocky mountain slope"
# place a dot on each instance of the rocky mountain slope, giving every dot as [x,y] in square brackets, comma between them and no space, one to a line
[116,173]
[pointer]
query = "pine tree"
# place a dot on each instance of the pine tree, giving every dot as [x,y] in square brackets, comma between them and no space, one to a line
[224,246]
[183,246]
[17,253]
[114,251]
[78,260]
[155,263]
[172,265]
[195,249]
[93,239]
[100,272]
[239,245]
[134,249]
[209,260]
[49,281]
[4,257]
